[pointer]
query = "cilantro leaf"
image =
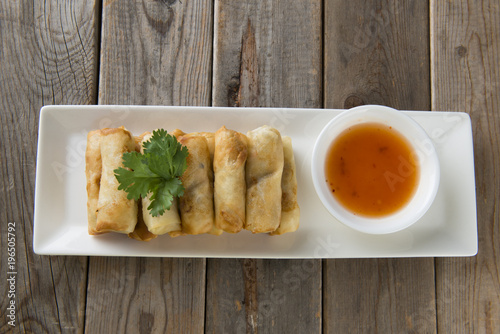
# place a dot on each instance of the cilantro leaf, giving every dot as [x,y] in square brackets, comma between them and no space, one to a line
[137,180]
[157,172]
[170,154]
[163,197]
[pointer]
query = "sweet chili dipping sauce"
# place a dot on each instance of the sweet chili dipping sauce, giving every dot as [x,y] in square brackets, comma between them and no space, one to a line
[371,170]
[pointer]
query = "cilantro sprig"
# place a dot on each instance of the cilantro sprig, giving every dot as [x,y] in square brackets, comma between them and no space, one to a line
[156,171]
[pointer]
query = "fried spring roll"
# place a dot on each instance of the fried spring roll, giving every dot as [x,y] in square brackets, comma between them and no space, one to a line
[196,205]
[290,211]
[264,169]
[141,231]
[230,156]
[210,137]
[177,133]
[93,169]
[169,221]
[115,213]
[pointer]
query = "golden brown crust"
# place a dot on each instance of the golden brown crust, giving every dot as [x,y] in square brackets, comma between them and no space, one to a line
[177,133]
[210,137]
[139,139]
[263,178]
[290,211]
[196,205]
[229,185]
[141,231]
[115,213]
[93,171]
[232,182]
[176,234]
[121,130]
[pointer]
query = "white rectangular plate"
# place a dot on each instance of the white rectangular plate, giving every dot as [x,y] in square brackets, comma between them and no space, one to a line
[449,228]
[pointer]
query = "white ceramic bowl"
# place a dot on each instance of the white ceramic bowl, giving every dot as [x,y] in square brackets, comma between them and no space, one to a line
[427,159]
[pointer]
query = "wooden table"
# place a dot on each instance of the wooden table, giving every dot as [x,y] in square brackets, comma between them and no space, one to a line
[414,55]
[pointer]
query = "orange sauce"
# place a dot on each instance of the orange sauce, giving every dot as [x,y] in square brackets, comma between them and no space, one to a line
[371,170]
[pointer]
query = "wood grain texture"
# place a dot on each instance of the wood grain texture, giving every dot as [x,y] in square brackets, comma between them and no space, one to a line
[465,52]
[269,296]
[145,295]
[379,296]
[152,53]
[266,54]
[47,56]
[378,54]
[156,52]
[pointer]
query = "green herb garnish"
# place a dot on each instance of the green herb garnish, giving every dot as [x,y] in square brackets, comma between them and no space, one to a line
[156,171]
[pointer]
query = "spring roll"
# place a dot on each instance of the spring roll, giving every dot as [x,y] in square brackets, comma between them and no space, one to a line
[115,213]
[210,137]
[290,211]
[197,205]
[177,133]
[230,156]
[264,169]
[93,169]
[169,221]
[141,231]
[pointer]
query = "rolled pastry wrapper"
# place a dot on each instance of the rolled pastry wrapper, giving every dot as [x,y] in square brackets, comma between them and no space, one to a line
[264,169]
[197,205]
[210,137]
[115,213]
[290,211]
[141,231]
[169,221]
[229,180]
[177,133]
[93,169]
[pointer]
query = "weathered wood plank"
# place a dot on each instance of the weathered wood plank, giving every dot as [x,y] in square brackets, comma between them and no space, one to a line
[379,296]
[270,296]
[152,52]
[146,295]
[378,53]
[156,52]
[267,54]
[47,57]
[465,48]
